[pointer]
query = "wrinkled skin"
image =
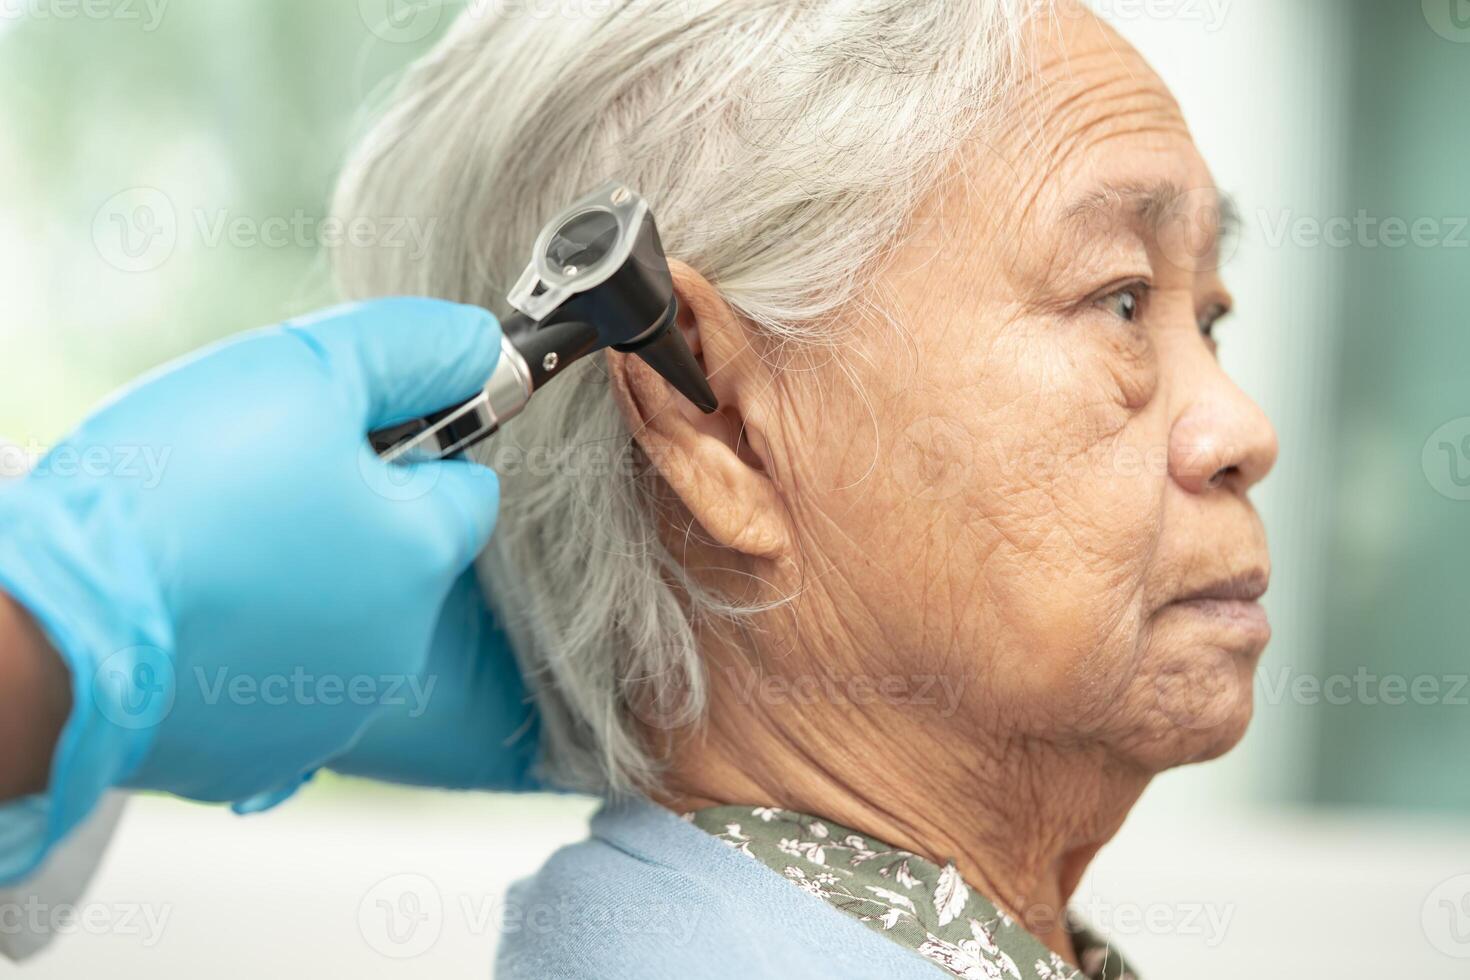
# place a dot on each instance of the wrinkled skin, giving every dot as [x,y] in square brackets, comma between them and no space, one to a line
[989,519]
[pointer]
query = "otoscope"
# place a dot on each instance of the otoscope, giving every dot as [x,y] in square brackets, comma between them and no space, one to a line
[598,278]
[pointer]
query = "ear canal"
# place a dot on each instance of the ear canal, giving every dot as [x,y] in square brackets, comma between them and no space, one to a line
[668,353]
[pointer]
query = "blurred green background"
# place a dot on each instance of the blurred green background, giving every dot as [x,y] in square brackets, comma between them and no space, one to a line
[1399,547]
[134,135]
[206,140]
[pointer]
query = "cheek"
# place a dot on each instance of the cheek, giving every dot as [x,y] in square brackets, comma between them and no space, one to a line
[1125,361]
[1065,509]
[992,519]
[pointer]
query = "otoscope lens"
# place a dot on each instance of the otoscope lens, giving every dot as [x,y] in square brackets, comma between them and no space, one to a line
[583,242]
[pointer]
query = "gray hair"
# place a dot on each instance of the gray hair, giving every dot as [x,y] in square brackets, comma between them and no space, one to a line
[784,146]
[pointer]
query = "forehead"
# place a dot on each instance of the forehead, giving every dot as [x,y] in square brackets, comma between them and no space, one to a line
[1089,123]
[1091,159]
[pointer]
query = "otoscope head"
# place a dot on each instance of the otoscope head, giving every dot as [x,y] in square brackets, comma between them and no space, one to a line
[598,278]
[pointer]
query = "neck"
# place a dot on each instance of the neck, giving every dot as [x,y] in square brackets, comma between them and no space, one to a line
[1020,818]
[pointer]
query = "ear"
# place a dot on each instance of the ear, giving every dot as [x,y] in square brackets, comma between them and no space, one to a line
[718,465]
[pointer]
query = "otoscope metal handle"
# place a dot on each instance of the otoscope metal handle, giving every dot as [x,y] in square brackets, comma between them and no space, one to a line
[456,429]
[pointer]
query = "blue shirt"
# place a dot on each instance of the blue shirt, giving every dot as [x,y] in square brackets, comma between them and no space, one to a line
[649,896]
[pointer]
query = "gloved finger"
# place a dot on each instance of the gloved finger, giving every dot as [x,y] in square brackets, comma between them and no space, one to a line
[462,503]
[407,356]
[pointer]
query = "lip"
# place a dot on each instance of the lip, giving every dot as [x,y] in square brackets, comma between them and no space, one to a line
[1240,618]
[1232,604]
[1247,586]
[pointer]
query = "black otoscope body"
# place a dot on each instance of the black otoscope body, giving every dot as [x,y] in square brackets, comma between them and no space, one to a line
[598,278]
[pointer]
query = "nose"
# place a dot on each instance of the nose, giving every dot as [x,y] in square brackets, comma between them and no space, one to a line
[1222,439]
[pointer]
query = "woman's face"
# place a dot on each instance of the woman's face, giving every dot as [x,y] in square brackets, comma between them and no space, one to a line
[1022,489]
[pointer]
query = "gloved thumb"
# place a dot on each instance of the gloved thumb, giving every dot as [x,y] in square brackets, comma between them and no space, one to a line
[462,501]
[406,357]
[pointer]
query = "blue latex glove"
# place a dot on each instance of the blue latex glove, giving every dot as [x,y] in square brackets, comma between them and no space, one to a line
[465,722]
[237,612]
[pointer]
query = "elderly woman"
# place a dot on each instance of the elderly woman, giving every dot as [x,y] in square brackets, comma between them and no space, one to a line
[872,662]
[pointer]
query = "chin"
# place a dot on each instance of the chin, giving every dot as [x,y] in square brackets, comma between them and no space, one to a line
[1224,736]
[1193,710]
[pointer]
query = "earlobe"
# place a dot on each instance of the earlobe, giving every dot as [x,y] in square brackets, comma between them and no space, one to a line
[713,463]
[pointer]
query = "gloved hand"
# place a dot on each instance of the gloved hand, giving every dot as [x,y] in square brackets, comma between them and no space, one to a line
[239,586]
[466,722]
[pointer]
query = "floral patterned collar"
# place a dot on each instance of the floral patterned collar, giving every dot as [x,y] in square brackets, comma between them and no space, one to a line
[914,902]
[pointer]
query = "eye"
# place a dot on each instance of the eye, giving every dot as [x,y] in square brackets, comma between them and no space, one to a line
[1210,318]
[1126,303]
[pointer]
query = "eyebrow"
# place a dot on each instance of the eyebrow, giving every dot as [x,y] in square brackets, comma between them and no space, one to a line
[1152,203]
